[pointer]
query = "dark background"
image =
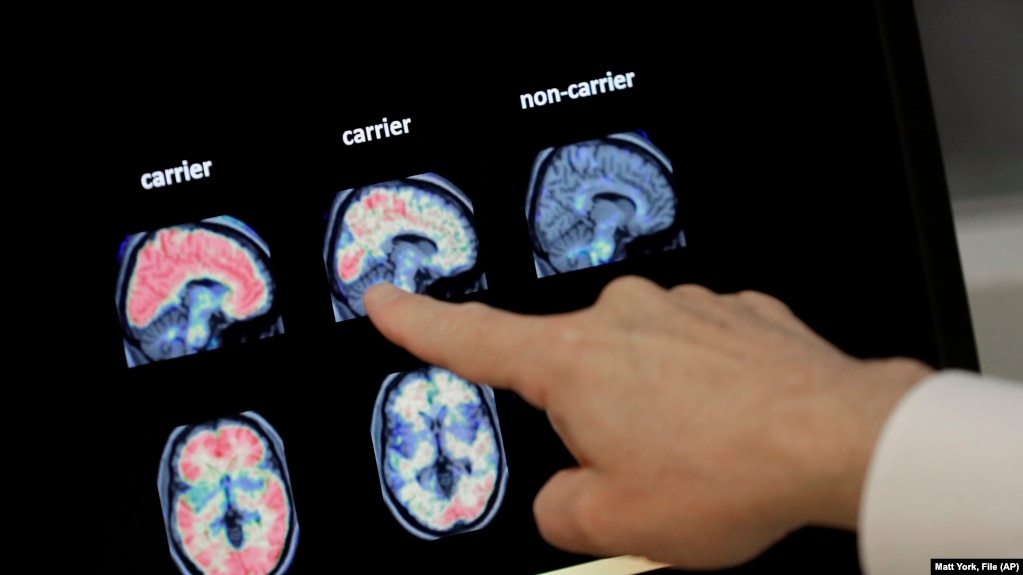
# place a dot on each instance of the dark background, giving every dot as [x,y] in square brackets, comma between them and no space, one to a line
[782,134]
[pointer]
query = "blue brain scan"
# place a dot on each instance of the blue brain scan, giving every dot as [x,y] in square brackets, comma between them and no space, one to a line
[439,452]
[601,201]
[418,233]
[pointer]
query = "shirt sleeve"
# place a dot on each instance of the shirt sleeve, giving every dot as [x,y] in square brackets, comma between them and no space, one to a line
[946,477]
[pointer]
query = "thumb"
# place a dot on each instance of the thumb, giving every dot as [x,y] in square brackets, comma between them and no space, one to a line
[574,512]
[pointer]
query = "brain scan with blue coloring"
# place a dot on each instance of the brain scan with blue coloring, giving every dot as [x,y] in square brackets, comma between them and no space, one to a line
[418,233]
[439,452]
[601,201]
[192,288]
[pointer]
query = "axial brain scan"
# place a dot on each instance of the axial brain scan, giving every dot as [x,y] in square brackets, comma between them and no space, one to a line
[601,201]
[226,498]
[417,233]
[190,288]
[439,452]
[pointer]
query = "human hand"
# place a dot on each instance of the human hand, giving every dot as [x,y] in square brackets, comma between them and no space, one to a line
[706,427]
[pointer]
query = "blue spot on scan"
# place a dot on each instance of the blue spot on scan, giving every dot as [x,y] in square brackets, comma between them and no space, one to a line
[442,413]
[203,301]
[233,517]
[464,432]
[472,413]
[346,237]
[123,249]
[406,268]
[200,495]
[232,522]
[248,484]
[394,479]
[405,442]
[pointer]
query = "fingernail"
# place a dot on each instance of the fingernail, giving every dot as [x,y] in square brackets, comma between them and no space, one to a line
[382,292]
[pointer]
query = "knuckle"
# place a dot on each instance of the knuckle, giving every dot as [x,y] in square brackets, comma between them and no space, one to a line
[627,286]
[763,301]
[694,290]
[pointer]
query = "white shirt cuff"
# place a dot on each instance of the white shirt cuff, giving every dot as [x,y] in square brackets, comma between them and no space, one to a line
[946,477]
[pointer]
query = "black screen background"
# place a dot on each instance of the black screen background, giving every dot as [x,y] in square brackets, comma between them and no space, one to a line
[783,141]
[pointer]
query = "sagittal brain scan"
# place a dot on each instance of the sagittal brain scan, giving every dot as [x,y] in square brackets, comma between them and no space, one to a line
[418,233]
[195,287]
[439,452]
[226,498]
[600,201]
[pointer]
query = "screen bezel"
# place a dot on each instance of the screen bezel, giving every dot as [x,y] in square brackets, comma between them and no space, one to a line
[927,184]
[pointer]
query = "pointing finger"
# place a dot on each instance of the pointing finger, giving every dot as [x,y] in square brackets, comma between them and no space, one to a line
[482,344]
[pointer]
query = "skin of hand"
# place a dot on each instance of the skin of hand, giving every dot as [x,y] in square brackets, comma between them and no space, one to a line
[706,427]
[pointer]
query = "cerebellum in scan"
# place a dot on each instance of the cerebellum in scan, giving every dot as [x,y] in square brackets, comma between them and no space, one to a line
[418,233]
[601,201]
[194,287]
[226,498]
[439,452]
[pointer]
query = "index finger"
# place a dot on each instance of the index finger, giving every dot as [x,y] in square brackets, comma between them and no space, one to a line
[480,343]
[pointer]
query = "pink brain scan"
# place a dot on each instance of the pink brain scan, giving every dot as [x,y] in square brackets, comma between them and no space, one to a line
[195,287]
[418,233]
[439,452]
[226,498]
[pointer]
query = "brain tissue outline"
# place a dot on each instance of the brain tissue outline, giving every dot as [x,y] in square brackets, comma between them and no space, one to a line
[439,452]
[597,202]
[226,498]
[194,287]
[417,233]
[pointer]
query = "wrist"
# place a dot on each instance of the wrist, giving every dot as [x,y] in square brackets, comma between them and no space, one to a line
[864,401]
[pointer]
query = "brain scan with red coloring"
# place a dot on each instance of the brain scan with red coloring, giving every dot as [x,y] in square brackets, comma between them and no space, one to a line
[226,498]
[194,287]
[418,233]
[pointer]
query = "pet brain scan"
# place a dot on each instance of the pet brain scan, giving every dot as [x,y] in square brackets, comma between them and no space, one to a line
[190,288]
[600,201]
[439,452]
[418,234]
[226,498]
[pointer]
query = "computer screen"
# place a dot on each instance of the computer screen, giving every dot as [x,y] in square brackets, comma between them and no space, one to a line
[257,422]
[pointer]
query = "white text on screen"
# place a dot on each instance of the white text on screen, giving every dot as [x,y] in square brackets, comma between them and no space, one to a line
[378,131]
[184,173]
[609,83]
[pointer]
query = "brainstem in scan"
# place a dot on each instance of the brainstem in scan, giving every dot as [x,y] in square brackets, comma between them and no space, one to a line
[601,201]
[439,452]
